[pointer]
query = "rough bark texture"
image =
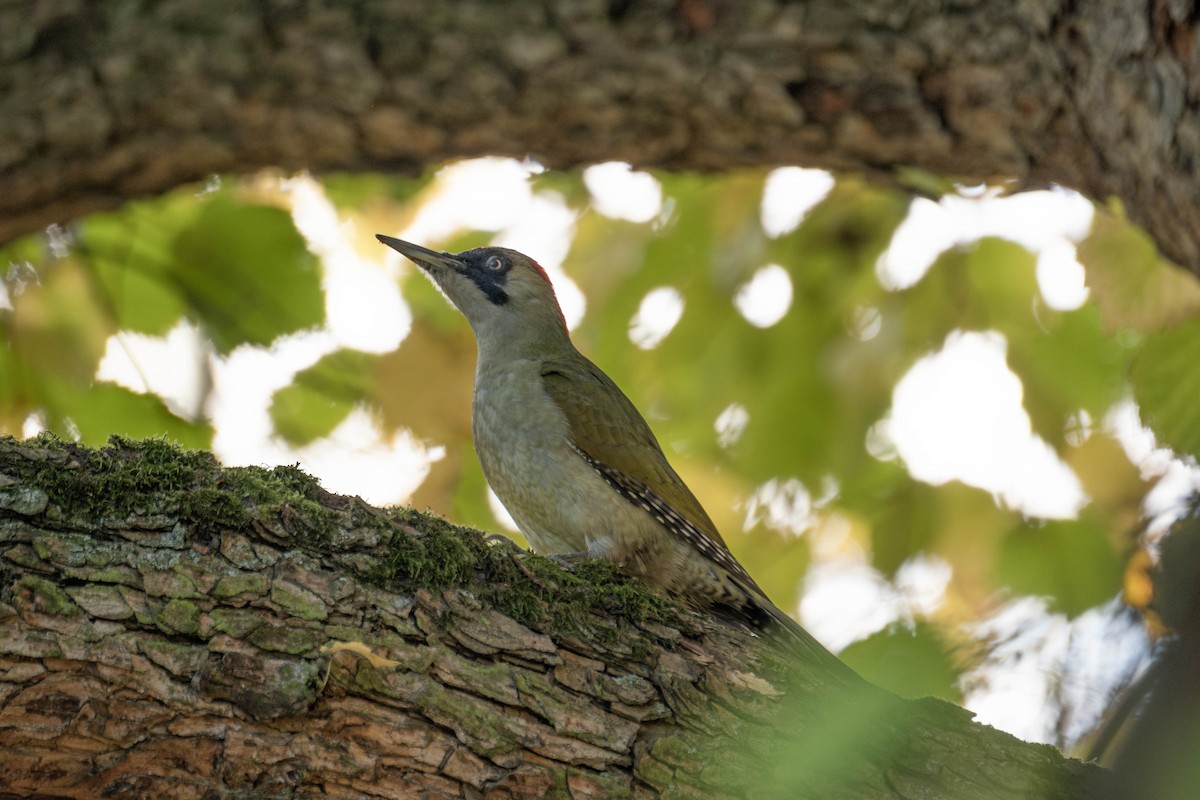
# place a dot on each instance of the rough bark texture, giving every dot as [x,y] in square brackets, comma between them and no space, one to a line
[172,629]
[101,102]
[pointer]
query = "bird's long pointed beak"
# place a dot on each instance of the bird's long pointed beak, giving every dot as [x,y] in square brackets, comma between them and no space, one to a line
[423,256]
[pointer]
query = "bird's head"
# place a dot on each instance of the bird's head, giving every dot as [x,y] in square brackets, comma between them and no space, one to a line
[502,293]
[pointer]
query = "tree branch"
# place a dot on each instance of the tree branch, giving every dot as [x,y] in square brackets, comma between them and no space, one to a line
[100,105]
[169,628]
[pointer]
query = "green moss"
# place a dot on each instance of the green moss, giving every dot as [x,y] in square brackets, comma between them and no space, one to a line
[47,597]
[179,659]
[286,639]
[289,507]
[211,508]
[482,724]
[531,589]
[126,576]
[287,502]
[23,555]
[48,440]
[104,602]
[234,622]
[111,483]
[346,633]
[299,602]
[243,583]
[180,616]
[444,555]
[297,480]
[170,583]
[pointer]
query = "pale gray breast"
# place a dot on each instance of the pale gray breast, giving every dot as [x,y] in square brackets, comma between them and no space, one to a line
[522,441]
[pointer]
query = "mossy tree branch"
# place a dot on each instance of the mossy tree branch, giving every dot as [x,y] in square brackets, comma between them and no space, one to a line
[169,628]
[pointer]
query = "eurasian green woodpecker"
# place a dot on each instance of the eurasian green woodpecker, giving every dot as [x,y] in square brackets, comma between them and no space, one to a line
[570,457]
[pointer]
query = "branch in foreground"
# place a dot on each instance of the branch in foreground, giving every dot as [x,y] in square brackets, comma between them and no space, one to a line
[102,106]
[172,628]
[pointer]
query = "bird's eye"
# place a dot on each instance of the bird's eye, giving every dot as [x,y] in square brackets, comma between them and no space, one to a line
[494,263]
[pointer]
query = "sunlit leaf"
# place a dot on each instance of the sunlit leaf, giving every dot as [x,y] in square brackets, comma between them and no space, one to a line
[905,514]
[1071,364]
[348,190]
[130,252]
[818,386]
[58,330]
[1109,478]
[1070,562]
[424,386]
[924,182]
[320,397]
[247,273]
[1130,283]
[568,185]
[1166,384]
[106,407]
[14,406]
[912,662]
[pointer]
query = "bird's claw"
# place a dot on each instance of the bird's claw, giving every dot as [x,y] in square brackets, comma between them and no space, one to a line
[567,561]
[500,540]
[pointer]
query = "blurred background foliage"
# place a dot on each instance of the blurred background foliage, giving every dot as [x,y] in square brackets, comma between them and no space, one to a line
[811,387]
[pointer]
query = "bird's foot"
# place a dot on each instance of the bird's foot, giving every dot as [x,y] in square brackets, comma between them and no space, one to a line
[500,540]
[568,561]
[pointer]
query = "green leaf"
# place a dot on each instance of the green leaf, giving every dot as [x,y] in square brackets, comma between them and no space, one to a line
[996,289]
[1130,283]
[1166,385]
[247,273]
[923,182]
[106,408]
[32,249]
[568,185]
[131,256]
[1070,562]
[321,396]
[348,190]
[1071,364]
[912,662]
[13,403]
[143,302]
[905,519]
[58,329]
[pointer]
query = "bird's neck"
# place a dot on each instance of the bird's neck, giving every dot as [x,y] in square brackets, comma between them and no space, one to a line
[522,338]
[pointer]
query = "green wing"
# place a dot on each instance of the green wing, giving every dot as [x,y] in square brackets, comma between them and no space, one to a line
[620,439]
[621,442]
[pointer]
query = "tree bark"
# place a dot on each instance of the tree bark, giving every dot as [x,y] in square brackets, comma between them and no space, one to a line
[103,102]
[169,628]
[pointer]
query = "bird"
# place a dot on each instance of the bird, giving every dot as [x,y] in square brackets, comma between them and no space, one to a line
[571,458]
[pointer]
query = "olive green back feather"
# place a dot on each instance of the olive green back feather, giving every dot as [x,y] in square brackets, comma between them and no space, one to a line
[621,439]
